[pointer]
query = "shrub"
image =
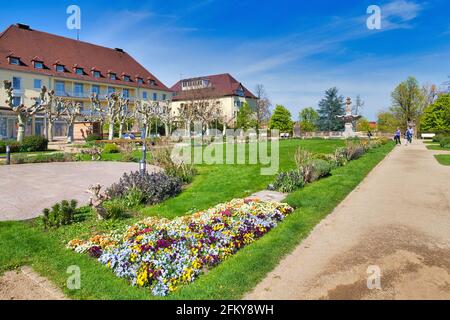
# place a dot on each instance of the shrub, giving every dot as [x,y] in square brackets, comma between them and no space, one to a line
[445,142]
[13,145]
[111,148]
[303,160]
[42,158]
[33,144]
[93,137]
[183,171]
[133,198]
[115,209]
[60,214]
[320,169]
[155,187]
[288,181]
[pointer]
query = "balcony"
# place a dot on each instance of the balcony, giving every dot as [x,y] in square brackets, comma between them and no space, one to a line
[85,95]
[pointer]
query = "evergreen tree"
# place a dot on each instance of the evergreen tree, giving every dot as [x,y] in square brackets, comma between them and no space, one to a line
[281,120]
[331,106]
[245,118]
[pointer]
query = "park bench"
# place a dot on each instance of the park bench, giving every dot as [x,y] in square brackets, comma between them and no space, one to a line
[428,135]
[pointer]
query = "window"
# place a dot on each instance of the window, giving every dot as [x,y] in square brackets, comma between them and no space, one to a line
[17,101]
[60,88]
[37,83]
[125,93]
[96,74]
[60,68]
[17,83]
[111,90]
[152,82]
[155,97]
[79,71]
[164,97]
[140,81]
[15,61]
[113,76]
[78,89]
[144,95]
[38,65]
[95,89]
[126,78]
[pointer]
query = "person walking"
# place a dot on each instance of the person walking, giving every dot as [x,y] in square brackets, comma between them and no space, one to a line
[409,135]
[397,136]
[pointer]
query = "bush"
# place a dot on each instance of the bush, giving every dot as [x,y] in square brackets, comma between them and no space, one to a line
[111,148]
[288,182]
[60,214]
[155,187]
[42,158]
[445,142]
[93,137]
[133,198]
[13,144]
[115,209]
[33,144]
[183,171]
[320,169]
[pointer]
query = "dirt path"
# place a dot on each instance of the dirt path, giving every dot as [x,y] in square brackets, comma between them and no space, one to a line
[25,284]
[398,220]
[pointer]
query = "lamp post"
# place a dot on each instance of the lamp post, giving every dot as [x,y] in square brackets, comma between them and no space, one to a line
[8,155]
[143,162]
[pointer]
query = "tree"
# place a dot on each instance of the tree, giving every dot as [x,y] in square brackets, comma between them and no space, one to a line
[281,120]
[262,109]
[112,111]
[308,119]
[123,114]
[52,109]
[166,116]
[408,102]
[331,106]
[245,118]
[22,111]
[358,106]
[436,117]
[146,111]
[71,111]
[363,125]
[387,122]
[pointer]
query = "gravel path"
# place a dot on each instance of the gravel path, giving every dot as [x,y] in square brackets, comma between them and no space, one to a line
[396,222]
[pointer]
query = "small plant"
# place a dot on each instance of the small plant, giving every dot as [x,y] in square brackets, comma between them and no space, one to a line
[111,148]
[444,142]
[181,170]
[133,198]
[155,187]
[93,137]
[115,209]
[60,214]
[320,169]
[303,160]
[288,181]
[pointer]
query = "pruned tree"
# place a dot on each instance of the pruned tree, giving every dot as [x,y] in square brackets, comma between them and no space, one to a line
[52,108]
[166,116]
[98,113]
[146,111]
[71,112]
[123,114]
[22,111]
[112,111]
[263,104]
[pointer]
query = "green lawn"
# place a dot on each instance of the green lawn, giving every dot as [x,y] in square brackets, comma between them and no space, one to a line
[25,243]
[443,159]
[437,147]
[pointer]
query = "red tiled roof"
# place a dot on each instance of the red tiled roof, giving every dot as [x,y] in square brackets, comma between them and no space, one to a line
[52,49]
[223,85]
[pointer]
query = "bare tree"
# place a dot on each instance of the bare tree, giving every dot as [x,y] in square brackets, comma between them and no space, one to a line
[146,111]
[23,112]
[430,93]
[52,109]
[111,112]
[124,114]
[71,111]
[98,113]
[263,104]
[166,116]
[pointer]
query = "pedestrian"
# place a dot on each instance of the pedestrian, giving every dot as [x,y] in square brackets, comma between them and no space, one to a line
[409,135]
[397,136]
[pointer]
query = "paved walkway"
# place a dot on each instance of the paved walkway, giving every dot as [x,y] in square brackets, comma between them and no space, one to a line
[26,189]
[397,220]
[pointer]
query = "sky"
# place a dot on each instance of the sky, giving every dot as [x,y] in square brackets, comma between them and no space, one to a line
[296,49]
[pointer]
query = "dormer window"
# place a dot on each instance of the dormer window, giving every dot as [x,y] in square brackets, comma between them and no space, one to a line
[60,68]
[112,76]
[79,71]
[38,65]
[126,78]
[15,61]
[140,81]
[96,74]
[152,82]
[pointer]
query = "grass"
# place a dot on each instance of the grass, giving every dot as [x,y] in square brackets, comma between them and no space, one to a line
[443,159]
[437,147]
[24,243]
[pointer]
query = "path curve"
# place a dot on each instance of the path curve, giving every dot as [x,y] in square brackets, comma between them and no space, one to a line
[27,189]
[396,220]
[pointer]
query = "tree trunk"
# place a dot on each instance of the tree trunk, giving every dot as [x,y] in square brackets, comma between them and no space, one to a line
[70,134]
[111,131]
[20,132]
[120,130]
[50,131]
[224,129]
[166,130]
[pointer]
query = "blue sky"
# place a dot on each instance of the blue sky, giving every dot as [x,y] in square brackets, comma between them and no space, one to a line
[297,49]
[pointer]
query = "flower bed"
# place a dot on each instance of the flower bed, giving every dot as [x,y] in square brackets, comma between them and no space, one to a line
[164,254]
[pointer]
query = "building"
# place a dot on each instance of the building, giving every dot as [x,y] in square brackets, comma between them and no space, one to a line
[74,69]
[225,90]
